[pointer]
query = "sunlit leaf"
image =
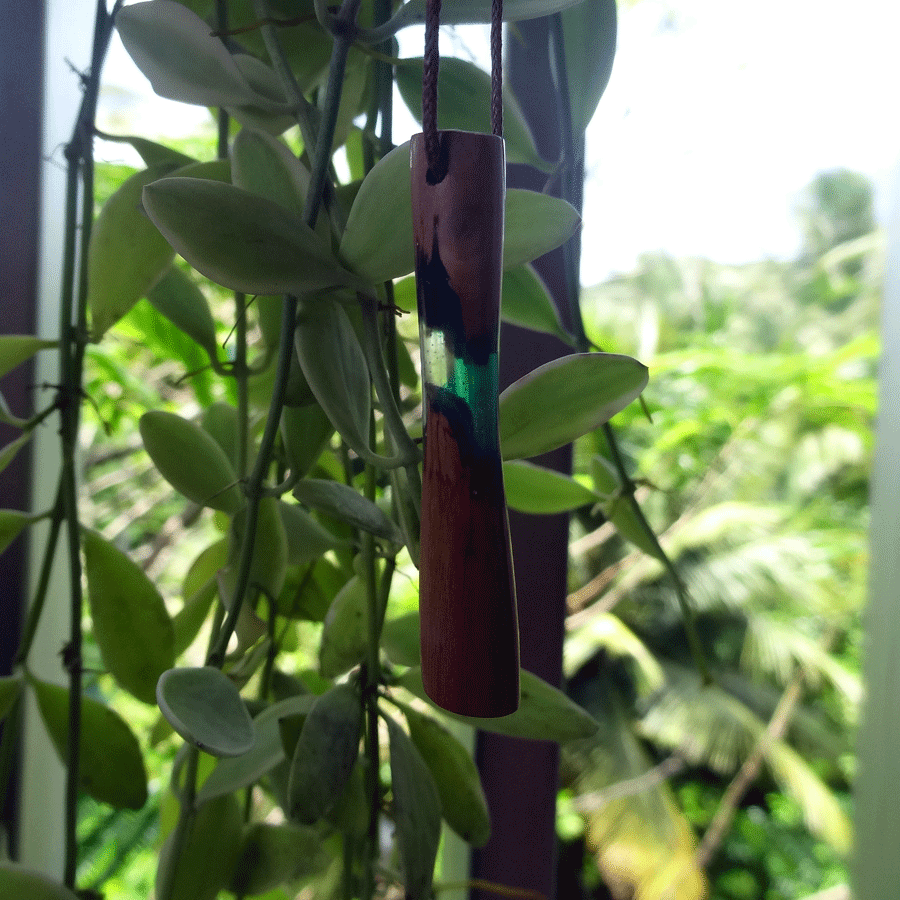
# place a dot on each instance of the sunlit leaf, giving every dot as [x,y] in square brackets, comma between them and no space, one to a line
[589,37]
[16,348]
[127,255]
[538,490]
[111,767]
[132,626]
[544,713]
[242,241]
[526,303]
[565,399]
[464,104]
[183,61]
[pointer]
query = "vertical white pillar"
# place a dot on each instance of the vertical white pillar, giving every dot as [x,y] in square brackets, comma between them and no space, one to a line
[876,871]
[69,28]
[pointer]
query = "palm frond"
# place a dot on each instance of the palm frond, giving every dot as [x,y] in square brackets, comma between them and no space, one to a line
[609,633]
[643,845]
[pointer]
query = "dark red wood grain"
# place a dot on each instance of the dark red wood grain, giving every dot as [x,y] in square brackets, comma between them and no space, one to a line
[470,651]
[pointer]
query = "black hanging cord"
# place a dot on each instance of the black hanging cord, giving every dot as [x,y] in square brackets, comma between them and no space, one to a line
[437,166]
[497,68]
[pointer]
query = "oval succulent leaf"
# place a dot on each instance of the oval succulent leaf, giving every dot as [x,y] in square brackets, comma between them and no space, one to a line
[266,167]
[205,708]
[127,254]
[208,858]
[526,303]
[183,61]
[565,399]
[112,768]
[417,812]
[545,713]
[21,884]
[541,491]
[184,305]
[367,247]
[464,103]
[325,754]
[619,508]
[132,626]
[307,540]
[535,225]
[241,241]
[345,635]
[336,370]
[454,771]
[347,505]
[190,460]
[589,38]
[16,348]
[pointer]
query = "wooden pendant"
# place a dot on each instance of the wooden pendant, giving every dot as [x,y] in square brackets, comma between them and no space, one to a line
[470,644]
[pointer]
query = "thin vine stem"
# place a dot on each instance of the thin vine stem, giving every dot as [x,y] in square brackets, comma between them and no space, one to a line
[573,193]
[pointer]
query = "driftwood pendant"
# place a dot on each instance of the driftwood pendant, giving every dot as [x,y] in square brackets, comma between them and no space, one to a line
[470,644]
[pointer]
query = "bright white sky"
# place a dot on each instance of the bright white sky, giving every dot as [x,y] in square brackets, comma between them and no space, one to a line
[717,115]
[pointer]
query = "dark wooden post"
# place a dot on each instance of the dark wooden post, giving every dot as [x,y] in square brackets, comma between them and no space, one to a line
[21,88]
[520,777]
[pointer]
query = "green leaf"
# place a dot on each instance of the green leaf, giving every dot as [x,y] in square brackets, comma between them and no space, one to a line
[306,432]
[220,421]
[544,714]
[464,11]
[307,540]
[565,399]
[463,803]
[10,689]
[270,547]
[346,633]
[347,505]
[266,113]
[535,225]
[336,371]
[174,48]
[205,708]
[243,242]
[238,772]
[188,621]
[537,490]
[8,453]
[589,38]
[179,299]
[464,104]
[400,639]
[526,303]
[190,460]
[12,522]
[417,813]
[277,854]
[266,167]
[325,754]
[132,626]
[17,883]
[127,254]
[151,153]
[111,768]
[377,253]
[619,508]
[16,348]
[207,861]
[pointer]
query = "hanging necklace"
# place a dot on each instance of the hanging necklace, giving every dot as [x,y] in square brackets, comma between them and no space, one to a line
[470,647]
